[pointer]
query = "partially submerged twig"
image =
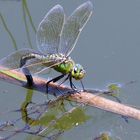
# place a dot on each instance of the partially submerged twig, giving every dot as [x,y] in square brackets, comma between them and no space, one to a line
[84,97]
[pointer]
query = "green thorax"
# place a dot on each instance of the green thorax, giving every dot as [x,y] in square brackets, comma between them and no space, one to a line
[65,67]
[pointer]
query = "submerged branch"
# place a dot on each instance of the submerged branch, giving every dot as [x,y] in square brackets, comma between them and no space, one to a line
[87,98]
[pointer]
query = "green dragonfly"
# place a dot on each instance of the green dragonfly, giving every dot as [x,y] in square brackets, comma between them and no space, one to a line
[56,38]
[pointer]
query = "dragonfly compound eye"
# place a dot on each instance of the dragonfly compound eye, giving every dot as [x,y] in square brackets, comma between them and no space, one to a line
[75,69]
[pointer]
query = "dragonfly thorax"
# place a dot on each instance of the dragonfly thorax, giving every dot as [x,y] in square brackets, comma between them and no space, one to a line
[65,66]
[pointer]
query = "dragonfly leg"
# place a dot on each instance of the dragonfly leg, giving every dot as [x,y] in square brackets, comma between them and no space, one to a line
[26,70]
[63,82]
[71,83]
[82,85]
[54,80]
[28,77]
[65,79]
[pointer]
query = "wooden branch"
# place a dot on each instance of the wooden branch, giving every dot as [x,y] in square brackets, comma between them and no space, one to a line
[88,98]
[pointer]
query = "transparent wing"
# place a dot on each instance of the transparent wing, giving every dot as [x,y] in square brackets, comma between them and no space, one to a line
[43,68]
[73,26]
[35,65]
[49,30]
[12,61]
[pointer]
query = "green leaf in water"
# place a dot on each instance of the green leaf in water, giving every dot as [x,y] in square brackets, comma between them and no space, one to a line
[114,88]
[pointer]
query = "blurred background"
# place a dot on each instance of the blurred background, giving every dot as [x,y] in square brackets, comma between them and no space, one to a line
[108,48]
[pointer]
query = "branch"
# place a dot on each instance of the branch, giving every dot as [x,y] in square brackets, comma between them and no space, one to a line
[87,98]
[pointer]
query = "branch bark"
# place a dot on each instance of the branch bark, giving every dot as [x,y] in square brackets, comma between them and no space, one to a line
[87,98]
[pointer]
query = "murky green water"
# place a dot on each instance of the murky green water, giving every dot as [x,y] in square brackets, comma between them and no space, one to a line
[108,48]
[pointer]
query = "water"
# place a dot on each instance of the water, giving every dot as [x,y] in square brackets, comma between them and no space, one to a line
[108,48]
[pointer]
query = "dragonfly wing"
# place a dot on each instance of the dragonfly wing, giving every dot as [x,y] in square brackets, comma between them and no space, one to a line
[73,26]
[12,61]
[49,31]
[35,65]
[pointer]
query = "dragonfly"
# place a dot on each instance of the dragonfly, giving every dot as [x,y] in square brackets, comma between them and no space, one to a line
[56,38]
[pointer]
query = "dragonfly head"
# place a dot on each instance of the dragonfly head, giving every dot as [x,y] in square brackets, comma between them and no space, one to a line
[78,72]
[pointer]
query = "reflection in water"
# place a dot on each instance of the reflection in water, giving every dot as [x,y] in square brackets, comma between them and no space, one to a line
[8,31]
[103,136]
[49,119]
[52,117]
